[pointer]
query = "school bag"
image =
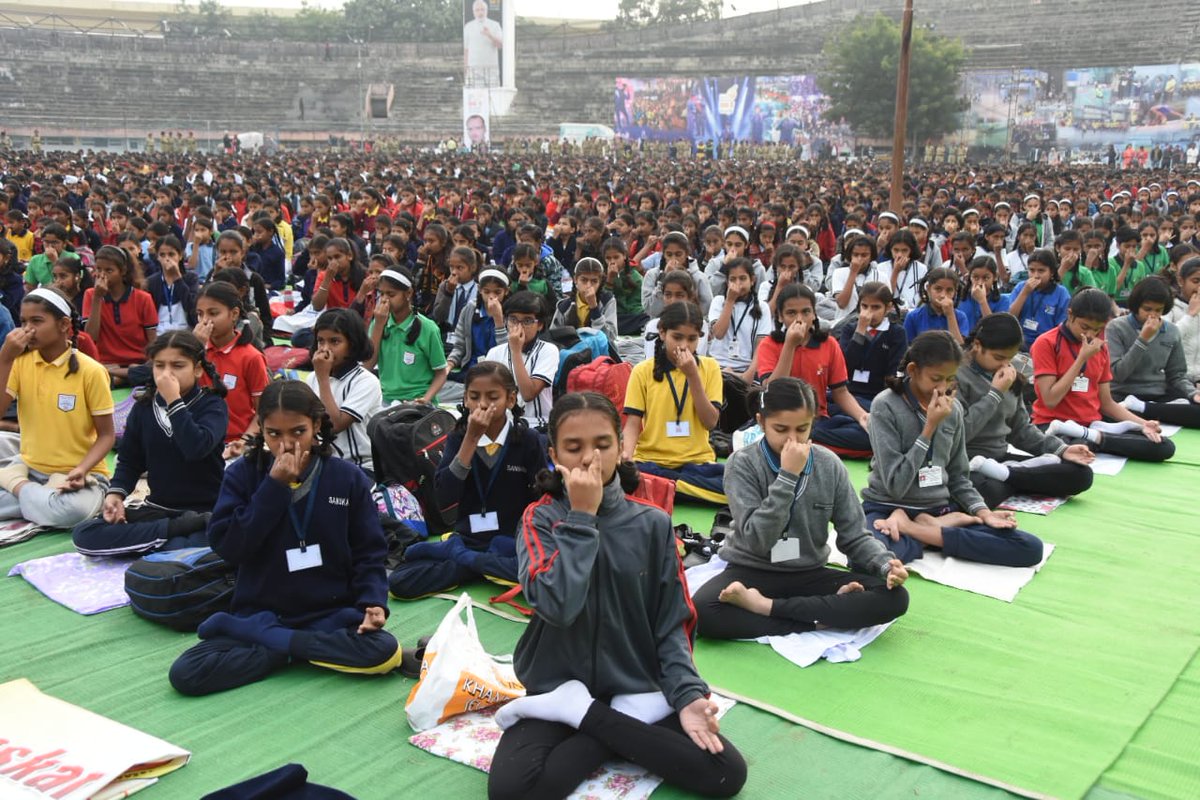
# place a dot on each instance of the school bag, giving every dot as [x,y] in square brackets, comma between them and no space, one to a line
[577,347]
[605,376]
[406,447]
[180,588]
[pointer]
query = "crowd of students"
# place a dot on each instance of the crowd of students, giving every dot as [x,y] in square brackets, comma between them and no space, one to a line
[986,339]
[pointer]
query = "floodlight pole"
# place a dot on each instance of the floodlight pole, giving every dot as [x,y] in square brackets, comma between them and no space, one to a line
[901,121]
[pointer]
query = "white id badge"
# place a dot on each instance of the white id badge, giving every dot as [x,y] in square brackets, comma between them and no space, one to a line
[679,429]
[862,376]
[1080,384]
[485,523]
[785,550]
[1030,324]
[410,359]
[304,559]
[929,476]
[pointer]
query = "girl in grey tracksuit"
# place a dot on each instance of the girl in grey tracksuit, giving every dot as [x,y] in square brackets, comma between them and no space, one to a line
[777,581]
[606,659]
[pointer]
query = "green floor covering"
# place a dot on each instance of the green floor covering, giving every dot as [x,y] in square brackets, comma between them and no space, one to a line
[1093,691]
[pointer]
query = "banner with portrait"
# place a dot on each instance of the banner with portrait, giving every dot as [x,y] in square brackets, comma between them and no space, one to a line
[477,121]
[483,43]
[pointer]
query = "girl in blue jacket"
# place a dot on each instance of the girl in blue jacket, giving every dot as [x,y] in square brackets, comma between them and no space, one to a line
[175,434]
[606,658]
[303,531]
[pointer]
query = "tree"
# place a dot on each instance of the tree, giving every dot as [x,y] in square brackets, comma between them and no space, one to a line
[403,20]
[640,13]
[210,18]
[859,76]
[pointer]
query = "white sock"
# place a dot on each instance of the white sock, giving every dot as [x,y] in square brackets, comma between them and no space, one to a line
[1039,461]
[567,704]
[1134,404]
[1128,426]
[1178,401]
[1072,430]
[989,468]
[649,707]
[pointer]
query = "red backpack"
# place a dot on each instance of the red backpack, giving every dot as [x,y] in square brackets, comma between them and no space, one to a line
[604,375]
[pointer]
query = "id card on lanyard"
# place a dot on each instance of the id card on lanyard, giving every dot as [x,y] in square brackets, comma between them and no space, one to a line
[488,521]
[930,474]
[680,427]
[306,556]
[788,547]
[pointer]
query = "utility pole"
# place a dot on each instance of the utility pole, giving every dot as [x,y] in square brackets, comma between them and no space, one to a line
[901,121]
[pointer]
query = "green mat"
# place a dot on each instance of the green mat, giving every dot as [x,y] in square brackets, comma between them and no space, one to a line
[1127,639]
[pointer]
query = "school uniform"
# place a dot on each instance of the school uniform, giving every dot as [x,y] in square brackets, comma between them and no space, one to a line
[1053,354]
[932,476]
[24,243]
[572,312]
[487,499]
[541,362]
[340,294]
[271,264]
[178,447]
[406,370]
[123,324]
[875,271]
[924,318]
[871,357]
[992,420]
[449,302]
[780,546]
[819,363]
[908,283]
[1154,371]
[357,392]
[205,260]
[243,370]
[12,291]
[57,431]
[475,334]
[176,302]
[1189,337]
[1043,310]
[652,299]
[735,349]
[970,308]
[673,442]
[651,338]
[309,563]
[610,610]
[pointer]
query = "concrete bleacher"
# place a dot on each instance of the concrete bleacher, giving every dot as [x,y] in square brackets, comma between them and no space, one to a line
[126,86]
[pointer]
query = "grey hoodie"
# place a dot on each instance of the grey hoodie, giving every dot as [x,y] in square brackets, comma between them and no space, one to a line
[762,502]
[1147,369]
[610,608]
[900,451]
[992,420]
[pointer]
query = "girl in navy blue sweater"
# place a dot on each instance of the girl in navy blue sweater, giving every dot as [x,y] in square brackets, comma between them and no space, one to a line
[873,344]
[303,531]
[486,481]
[175,434]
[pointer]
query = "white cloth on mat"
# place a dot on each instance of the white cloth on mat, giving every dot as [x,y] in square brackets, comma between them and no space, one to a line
[1108,464]
[990,580]
[471,739]
[836,647]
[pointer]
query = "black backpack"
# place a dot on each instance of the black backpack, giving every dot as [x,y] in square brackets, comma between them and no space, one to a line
[406,448]
[180,588]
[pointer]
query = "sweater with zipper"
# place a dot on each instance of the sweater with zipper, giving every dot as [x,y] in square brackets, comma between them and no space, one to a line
[992,419]
[252,529]
[502,483]
[1147,369]
[900,451]
[769,503]
[178,447]
[610,608]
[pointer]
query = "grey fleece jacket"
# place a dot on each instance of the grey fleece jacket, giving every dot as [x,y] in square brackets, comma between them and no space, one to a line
[900,451]
[761,501]
[992,420]
[608,600]
[1147,369]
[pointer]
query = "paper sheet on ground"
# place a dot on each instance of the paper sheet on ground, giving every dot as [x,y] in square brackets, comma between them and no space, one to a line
[1032,504]
[1002,583]
[802,649]
[1108,464]
[83,584]
[1171,430]
[90,757]
[471,739]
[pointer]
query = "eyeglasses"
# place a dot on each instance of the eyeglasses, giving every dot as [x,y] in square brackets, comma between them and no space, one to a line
[523,321]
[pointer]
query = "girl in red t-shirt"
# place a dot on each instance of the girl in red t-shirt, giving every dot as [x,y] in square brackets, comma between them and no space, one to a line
[119,317]
[1073,378]
[798,348]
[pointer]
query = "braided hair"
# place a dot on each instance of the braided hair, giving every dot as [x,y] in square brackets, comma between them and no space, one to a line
[673,316]
[551,482]
[193,349]
[299,398]
[54,311]
[791,292]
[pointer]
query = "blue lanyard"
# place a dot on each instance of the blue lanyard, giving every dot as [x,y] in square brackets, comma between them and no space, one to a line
[496,468]
[680,401]
[301,526]
[801,485]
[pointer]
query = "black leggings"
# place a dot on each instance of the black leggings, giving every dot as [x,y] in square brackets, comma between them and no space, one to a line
[1160,407]
[1063,479]
[801,600]
[1128,445]
[539,760]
